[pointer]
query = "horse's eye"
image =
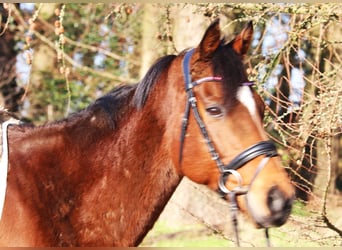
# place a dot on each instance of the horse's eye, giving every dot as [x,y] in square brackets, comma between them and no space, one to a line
[215,111]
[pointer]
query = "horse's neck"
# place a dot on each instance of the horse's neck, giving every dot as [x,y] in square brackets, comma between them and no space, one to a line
[102,192]
[139,180]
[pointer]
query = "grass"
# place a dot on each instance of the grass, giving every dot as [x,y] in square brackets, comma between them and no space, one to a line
[196,235]
[300,209]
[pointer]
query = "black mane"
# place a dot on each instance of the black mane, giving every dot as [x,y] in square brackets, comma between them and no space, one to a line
[114,104]
[109,108]
[151,77]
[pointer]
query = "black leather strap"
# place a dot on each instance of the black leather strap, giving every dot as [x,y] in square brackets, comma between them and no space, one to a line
[266,148]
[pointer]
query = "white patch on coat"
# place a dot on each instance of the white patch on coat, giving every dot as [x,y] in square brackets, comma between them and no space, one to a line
[245,96]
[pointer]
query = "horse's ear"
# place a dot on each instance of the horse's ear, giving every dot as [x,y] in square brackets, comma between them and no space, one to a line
[243,40]
[210,40]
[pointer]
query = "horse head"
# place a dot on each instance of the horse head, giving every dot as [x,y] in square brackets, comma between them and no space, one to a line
[223,143]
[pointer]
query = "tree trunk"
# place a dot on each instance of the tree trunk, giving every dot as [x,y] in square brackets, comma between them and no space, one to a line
[149,41]
[330,116]
[188,26]
[335,34]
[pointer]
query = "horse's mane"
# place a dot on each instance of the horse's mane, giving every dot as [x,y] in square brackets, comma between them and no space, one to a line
[146,84]
[109,108]
[114,104]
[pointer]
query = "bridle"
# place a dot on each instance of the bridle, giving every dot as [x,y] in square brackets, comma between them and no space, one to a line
[265,148]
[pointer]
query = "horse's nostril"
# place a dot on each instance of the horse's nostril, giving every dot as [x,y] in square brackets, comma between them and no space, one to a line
[277,202]
[279,205]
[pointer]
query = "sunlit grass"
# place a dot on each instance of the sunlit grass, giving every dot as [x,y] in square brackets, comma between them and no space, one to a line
[164,235]
[300,209]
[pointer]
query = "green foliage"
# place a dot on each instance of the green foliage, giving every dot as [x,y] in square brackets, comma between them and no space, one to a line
[55,94]
[103,37]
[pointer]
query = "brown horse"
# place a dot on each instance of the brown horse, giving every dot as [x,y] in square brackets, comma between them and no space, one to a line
[102,176]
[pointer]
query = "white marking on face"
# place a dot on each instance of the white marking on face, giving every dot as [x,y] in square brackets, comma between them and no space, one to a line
[245,96]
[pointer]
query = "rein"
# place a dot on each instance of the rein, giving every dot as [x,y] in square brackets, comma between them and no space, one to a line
[266,148]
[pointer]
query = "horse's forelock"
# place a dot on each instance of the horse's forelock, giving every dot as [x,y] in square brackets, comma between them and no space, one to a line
[229,65]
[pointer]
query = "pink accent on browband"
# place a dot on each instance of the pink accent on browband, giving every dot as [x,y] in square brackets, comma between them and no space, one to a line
[247,83]
[208,79]
[217,79]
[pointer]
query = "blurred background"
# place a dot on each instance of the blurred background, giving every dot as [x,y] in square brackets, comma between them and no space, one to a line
[56,59]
